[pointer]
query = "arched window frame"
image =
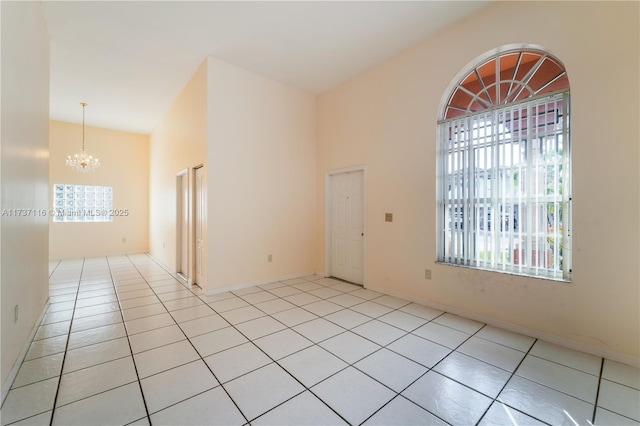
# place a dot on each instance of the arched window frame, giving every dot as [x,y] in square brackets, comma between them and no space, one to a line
[504,146]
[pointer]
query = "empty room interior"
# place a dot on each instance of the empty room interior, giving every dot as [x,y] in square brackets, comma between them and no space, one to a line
[271,213]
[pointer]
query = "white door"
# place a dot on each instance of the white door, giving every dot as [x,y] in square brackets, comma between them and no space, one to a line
[200,225]
[182,222]
[347,226]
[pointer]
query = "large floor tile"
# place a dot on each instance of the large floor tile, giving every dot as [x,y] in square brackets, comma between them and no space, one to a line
[401,411]
[506,338]
[283,343]
[608,418]
[217,341]
[293,317]
[257,297]
[621,373]
[620,399]
[45,347]
[260,327]
[203,325]
[302,299]
[391,369]
[419,350]
[318,330]
[304,409]
[139,301]
[564,379]
[52,330]
[371,309]
[442,335]
[579,360]
[183,303]
[43,419]
[177,384]
[189,314]
[478,375]
[492,353]
[379,332]
[312,365]
[213,407]
[80,324]
[459,323]
[352,394]
[502,415]
[29,400]
[228,304]
[88,356]
[156,338]
[96,335]
[118,406]
[149,323]
[350,347]
[322,308]
[449,400]
[240,315]
[234,362]
[347,318]
[143,311]
[544,403]
[274,306]
[39,369]
[402,320]
[93,380]
[96,310]
[263,389]
[164,358]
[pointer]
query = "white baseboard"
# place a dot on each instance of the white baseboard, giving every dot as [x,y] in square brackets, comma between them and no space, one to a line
[6,386]
[212,291]
[558,340]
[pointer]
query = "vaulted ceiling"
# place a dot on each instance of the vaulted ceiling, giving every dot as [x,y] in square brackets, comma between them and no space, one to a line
[129,60]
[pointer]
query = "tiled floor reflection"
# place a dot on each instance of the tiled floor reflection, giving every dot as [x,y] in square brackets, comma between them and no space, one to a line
[124,342]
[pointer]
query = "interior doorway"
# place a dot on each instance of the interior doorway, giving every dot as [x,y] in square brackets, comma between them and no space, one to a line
[345,224]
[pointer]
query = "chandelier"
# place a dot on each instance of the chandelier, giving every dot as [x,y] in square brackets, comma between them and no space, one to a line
[83,162]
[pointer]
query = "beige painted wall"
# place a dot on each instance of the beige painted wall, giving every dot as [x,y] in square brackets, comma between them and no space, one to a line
[386,118]
[23,174]
[179,141]
[124,159]
[261,175]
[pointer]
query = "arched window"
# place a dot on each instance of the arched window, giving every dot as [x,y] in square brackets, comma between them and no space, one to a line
[504,184]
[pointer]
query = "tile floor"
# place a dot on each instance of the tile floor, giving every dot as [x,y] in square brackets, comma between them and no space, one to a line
[123,342]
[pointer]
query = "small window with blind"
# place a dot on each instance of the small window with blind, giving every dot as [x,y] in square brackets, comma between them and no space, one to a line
[504,168]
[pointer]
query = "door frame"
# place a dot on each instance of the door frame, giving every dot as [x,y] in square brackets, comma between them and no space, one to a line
[328,213]
[183,174]
[193,217]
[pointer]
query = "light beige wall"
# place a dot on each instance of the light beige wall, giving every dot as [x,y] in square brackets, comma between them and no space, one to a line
[261,163]
[179,141]
[23,174]
[124,159]
[386,119]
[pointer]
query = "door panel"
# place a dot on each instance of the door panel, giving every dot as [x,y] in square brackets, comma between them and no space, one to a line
[347,226]
[200,201]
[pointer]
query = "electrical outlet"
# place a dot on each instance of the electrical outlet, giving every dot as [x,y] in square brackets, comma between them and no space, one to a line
[427,274]
[270,258]
[16,313]
[124,240]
